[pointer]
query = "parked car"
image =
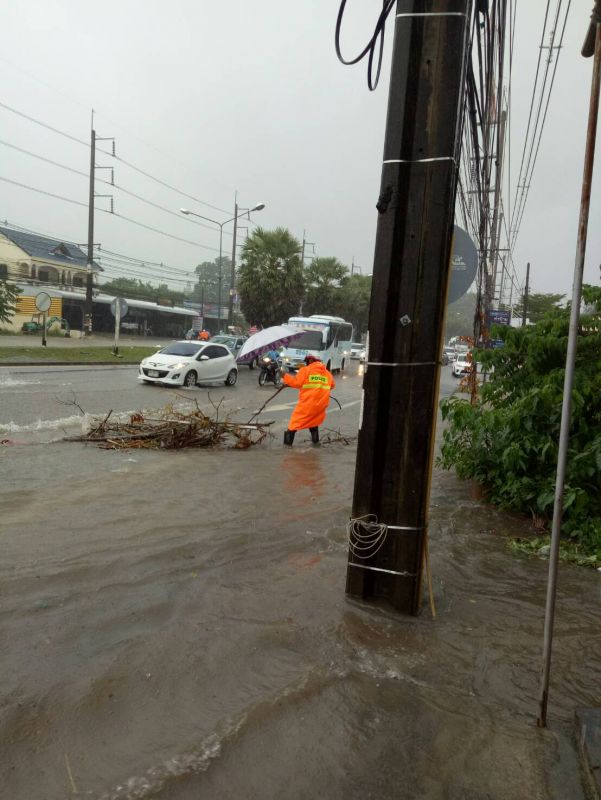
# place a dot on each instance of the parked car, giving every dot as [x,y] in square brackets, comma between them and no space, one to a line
[188,363]
[461,367]
[356,348]
[450,354]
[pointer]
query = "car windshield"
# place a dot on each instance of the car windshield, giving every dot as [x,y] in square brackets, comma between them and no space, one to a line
[182,349]
[310,340]
[228,340]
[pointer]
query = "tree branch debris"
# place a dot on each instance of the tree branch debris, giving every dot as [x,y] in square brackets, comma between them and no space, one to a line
[172,429]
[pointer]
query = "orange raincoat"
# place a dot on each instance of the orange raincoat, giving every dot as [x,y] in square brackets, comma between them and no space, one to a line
[315,383]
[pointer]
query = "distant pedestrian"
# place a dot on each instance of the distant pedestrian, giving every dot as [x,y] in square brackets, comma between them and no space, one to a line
[315,383]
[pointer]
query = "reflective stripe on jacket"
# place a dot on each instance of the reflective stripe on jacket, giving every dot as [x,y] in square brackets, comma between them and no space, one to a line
[314,382]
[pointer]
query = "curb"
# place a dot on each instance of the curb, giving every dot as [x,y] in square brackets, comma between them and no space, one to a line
[67,364]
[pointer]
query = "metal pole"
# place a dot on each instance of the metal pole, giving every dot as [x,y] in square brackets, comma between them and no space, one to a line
[44,330]
[526,290]
[564,433]
[219,280]
[117,325]
[89,301]
[230,309]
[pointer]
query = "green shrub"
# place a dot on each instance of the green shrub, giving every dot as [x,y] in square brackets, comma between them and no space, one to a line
[508,439]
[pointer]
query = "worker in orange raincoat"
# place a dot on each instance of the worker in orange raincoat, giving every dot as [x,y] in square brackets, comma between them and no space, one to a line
[315,383]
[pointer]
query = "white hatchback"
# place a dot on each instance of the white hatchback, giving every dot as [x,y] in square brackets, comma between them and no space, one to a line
[188,363]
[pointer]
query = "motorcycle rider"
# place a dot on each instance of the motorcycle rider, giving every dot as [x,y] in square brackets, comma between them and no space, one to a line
[315,383]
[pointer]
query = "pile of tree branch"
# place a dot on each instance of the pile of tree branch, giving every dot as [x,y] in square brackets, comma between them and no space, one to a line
[172,429]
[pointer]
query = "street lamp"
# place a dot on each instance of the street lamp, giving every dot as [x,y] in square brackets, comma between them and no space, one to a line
[234,219]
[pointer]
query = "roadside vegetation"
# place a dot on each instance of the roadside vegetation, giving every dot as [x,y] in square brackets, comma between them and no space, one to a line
[507,441]
[73,355]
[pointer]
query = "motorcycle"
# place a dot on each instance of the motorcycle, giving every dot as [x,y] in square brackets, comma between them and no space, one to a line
[271,371]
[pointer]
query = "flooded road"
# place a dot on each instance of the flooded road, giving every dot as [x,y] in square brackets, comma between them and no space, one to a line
[174,626]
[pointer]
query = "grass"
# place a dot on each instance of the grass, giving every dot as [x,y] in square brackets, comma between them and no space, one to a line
[569,551]
[74,355]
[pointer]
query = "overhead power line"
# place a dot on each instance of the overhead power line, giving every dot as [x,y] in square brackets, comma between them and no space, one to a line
[112,214]
[112,155]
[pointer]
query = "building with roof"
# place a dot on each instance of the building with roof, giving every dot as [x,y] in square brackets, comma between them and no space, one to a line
[33,258]
[38,263]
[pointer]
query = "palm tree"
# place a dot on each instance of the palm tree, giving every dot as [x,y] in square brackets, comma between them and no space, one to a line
[270,278]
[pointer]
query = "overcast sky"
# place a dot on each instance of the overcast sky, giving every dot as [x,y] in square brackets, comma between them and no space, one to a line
[214,97]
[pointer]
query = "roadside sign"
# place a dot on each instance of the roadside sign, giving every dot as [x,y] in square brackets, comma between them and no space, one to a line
[499,318]
[122,306]
[43,301]
[118,310]
[464,264]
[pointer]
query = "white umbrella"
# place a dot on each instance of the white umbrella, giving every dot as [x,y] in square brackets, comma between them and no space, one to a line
[264,340]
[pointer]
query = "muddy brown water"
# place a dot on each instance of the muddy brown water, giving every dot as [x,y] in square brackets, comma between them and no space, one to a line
[174,626]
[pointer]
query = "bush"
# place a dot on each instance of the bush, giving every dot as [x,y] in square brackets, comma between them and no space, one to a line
[508,439]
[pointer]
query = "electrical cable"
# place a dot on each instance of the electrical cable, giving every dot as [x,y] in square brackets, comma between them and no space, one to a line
[111,213]
[108,183]
[107,153]
[538,143]
[366,536]
[376,40]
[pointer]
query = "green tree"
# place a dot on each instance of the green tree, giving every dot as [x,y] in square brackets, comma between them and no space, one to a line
[323,278]
[538,305]
[459,319]
[138,290]
[270,278]
[508,439]
[209,278]
[8,298]
[352,302]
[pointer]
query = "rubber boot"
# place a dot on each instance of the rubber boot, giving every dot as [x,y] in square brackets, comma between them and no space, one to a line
[289,438]
[314,435]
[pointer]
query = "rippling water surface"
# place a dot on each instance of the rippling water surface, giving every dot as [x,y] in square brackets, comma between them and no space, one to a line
[174,626]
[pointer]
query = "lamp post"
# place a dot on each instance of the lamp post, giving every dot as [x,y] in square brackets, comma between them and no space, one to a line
[238,213]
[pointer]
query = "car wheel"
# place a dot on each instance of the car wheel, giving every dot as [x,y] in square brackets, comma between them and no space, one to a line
[329,366]
[190,378]
[253,363]
[342,366]
[232,377]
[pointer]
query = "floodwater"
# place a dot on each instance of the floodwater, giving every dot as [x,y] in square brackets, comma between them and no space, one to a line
[174,626]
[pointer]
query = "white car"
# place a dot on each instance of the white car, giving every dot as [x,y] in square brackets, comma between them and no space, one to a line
[356,349]
[461,367]
[188,363]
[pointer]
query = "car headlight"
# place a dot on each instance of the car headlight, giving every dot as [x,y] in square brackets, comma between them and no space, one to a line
[179,365]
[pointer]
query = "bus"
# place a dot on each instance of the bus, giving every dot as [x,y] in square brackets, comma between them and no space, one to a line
[328,338]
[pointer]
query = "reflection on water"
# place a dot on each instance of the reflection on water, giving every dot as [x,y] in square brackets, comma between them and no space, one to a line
[167,640]
[304,477]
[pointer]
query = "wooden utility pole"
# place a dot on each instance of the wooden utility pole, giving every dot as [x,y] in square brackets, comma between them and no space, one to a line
[409,289]
[90,274]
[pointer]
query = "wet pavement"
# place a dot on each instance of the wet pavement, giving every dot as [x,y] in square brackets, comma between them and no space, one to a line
[174,625]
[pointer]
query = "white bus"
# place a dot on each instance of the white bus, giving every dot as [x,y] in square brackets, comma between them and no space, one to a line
[329,338]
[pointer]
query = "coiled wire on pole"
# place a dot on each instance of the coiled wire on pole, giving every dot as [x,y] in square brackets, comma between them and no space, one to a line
[366,536]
